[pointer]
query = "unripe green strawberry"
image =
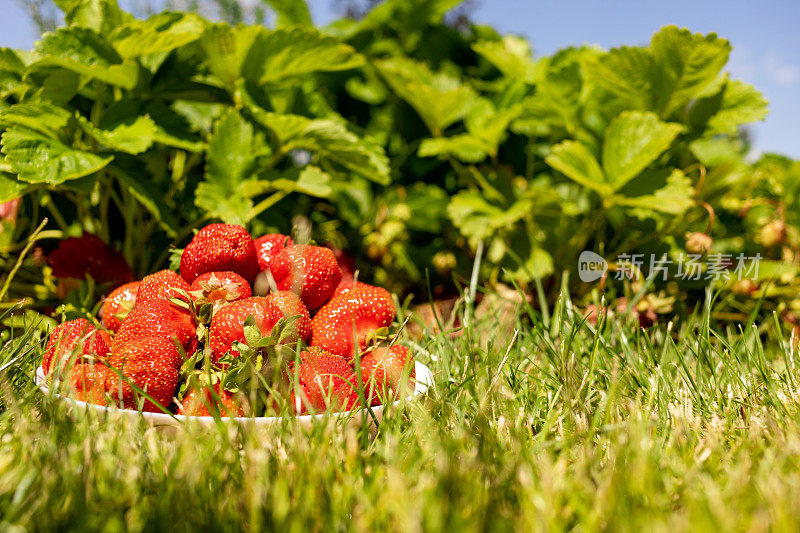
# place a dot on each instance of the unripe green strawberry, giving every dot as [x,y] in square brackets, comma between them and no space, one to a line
[698,243]
[73,340]
[219,248]
[772,233]
[152,364]
[361,311]
[310,271]
[118,304]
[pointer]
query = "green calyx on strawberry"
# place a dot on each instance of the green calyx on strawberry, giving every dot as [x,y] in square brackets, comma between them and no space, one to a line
[219,248]
[219,288]
[203,395]
[354,320]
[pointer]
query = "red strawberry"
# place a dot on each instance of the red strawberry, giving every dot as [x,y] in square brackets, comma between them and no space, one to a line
[159,318]
[310,271]
[268,246]
[161,285]
[290,304]
[218,248]
[382,369]
[78,337]
[152,364]
[76,257]
[196,402]
[227,326]
[365,307]
[346,285]
[117,305]
[328,379]
[88,382]
[219,288]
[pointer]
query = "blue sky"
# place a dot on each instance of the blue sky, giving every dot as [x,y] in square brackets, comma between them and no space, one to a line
[764,34]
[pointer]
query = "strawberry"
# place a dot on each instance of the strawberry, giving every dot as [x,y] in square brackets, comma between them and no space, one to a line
[383,370]
[118,304]
[219,248]
[268,246]
[76,257]
[197,401]
[366,308]
[219,288]
[78,337]
[161,285]
[346,285]
[227,326]
[310,271]
[290,305]
[159,318]
[152,364]
[88,382]
[328,380]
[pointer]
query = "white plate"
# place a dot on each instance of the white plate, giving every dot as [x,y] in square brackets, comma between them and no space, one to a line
[424,379]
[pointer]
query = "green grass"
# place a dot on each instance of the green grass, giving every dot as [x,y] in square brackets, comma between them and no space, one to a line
[566,427]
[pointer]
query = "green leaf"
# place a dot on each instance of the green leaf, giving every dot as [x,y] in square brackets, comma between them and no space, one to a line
[230,163]
[132,136]
[473,215]
[329,141]
[101,16]
[488,124]
[42,117]
[11,188]
[675,198]
[687,65]
[634,140]
[439,99]
[313,181]
[575,161]
[309,180]
[226,49]
[157,35]
[463,147]
[278,55]
[290,12]
[626,72]
[11,62]
[37,158]
[512,56]
[741,104]
[83,51]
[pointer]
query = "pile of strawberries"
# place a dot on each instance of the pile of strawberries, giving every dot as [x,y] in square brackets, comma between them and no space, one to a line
[200,343]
